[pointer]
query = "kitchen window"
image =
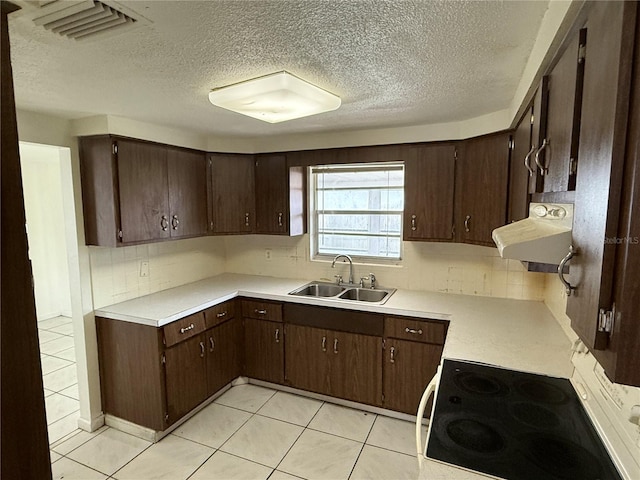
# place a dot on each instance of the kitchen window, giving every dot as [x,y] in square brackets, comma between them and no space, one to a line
[356,209]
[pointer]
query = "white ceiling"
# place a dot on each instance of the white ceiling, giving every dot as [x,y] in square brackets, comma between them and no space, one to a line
[393,63]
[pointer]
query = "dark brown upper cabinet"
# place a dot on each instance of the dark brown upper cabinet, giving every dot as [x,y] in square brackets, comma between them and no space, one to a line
[137,192]
[557,132]
[279,196]
[481,185]
[429,185]
[520,171]
[232,207]
[604,305]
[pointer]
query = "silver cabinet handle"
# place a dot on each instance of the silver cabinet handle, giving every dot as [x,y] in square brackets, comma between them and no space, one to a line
[186,329]
[164,223]
[201,349]
[221,314]
[175,222]
[392,357]
[527,160]
[413,331]
[568,288]
[279,219]
[466,224]
[335,345]
[324,344]
[413,223]
[277,335]
[260,312]
[212,343]
[246,219]
[543,168]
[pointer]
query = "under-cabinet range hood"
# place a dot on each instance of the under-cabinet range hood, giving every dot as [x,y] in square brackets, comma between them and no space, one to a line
[543,237]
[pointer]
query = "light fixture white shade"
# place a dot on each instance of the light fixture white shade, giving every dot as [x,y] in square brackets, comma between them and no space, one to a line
[275,98]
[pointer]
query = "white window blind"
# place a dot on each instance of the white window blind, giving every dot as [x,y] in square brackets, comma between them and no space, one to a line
[357,209]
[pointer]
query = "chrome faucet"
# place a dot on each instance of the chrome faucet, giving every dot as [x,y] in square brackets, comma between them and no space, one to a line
[333,265]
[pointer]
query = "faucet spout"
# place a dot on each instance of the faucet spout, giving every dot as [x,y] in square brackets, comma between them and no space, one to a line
[347,257]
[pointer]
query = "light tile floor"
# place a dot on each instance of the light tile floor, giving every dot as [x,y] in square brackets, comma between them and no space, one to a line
[250,432]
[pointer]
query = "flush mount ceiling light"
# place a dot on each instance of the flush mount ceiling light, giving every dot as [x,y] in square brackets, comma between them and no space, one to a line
[275,98]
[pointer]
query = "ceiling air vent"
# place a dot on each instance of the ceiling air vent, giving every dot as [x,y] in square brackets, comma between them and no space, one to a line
[82,19]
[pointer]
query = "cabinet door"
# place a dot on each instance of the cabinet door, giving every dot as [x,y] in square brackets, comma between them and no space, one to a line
[429,181]
[231,194]
[264,350]
[187,192]
[355,367]
[186,379]
[408,368]
[143,185]
[483,165]
[559,152]
[224,354]
[272,194]
[520,169]
[307,353]
[538,133]
[607,85]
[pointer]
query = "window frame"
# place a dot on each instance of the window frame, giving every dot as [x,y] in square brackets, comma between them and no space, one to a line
[313,216]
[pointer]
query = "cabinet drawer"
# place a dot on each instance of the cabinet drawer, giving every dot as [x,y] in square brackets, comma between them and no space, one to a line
[184,328]
[219,313]
[414,329]
[262,310]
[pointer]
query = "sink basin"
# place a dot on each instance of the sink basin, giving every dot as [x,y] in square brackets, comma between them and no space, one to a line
[364,295]
[348,292]
[318,289]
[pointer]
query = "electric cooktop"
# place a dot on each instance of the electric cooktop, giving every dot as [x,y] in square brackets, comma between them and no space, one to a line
[514,425]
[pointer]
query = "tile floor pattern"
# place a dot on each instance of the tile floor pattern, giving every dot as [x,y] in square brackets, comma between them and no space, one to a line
[250,432]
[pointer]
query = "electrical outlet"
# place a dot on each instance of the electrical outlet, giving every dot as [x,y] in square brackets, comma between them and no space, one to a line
[267,253]
[144,269]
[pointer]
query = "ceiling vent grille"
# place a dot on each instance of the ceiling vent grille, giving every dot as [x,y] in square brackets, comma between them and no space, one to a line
[82,19]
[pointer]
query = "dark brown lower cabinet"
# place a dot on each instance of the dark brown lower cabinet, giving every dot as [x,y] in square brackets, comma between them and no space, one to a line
[186,376]
[224,354]
[340,364]
[307,351]
[264,350]
[407,369]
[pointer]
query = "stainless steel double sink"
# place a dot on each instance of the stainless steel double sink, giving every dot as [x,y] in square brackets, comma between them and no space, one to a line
[354,293]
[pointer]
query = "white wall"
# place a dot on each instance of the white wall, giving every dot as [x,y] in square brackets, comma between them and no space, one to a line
[440,267]
[41,181]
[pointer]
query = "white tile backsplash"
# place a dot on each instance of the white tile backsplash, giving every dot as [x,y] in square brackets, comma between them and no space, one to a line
[441,267]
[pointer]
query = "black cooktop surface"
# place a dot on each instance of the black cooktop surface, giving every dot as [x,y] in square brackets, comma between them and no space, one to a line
[514,425]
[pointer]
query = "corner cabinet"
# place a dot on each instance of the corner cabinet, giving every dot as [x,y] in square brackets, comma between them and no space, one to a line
[481,186]
[279,196]
[138,192]
[231,186]
[429,185]
[604,305]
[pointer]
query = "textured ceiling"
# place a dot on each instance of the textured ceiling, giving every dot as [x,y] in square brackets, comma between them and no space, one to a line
[393,63]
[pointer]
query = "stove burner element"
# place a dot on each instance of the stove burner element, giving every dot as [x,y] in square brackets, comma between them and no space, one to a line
[541,391]
[475,436]
[562,458]
[534,415]
[480,384]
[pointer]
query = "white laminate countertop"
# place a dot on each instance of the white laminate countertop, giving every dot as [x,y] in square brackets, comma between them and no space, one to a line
[515,334]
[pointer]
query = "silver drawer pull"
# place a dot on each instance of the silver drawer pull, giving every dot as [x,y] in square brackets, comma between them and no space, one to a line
[280,219]
[277,335]
[246,219]
[393,355]
[335,345]
[324,344]
[201,349]
[411,330]
[186,329]
[260,312]
[221,314]
[413,223]
[212,343]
